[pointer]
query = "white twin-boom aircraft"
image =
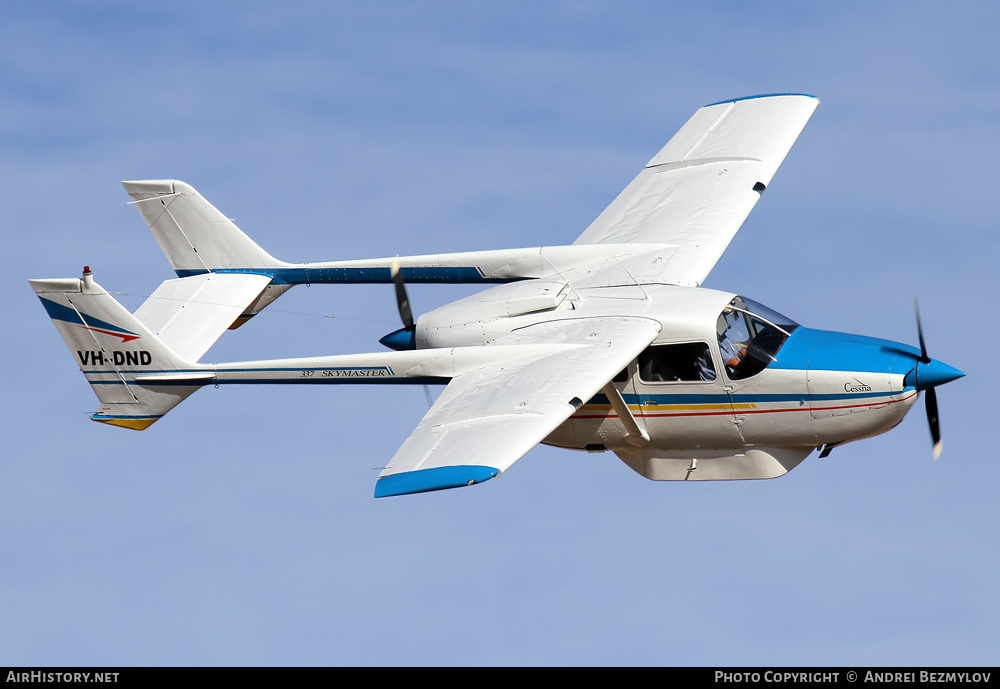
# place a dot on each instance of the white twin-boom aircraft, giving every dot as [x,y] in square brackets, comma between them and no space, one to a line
[609,343]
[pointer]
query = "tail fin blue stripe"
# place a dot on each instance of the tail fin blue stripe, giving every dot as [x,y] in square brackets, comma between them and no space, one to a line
[58,312]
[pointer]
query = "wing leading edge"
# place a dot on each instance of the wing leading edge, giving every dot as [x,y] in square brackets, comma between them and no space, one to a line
[699,189]
[487,419]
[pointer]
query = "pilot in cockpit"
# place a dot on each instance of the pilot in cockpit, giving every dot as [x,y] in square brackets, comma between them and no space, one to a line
[749,341]
[733,353]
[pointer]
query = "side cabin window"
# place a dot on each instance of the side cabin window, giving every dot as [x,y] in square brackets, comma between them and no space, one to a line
[750,336]
[689,361]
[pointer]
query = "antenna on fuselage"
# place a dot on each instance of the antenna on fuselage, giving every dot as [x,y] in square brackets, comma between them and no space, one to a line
[545,258]
[644,295]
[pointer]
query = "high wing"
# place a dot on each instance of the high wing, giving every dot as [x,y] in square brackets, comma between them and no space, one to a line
[488,418]
[699,189]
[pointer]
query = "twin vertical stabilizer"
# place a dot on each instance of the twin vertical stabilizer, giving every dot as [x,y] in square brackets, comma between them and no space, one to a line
[112,347]
[194,234]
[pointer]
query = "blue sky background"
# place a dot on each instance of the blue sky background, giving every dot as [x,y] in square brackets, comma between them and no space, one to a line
[242,530]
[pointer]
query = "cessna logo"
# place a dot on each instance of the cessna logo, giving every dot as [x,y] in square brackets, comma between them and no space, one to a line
[116,357]
[857,386]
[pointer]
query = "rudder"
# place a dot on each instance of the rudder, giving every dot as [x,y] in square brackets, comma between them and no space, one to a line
[136,377]
[194,235]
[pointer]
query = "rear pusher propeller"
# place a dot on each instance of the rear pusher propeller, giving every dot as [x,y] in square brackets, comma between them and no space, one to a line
[405,337]
[402,300]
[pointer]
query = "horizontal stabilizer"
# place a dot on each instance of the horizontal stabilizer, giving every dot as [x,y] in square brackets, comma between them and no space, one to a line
[189,314]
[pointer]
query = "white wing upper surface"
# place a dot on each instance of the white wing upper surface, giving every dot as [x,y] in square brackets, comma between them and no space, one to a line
[486,419]
[699,189]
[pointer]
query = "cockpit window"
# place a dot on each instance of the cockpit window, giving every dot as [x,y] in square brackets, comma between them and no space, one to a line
[750,335]
[768,314]
[689,361]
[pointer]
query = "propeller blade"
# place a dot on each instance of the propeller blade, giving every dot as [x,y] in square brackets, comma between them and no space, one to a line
[920,334]
[405,337]
[402,300]
[930,401]
[930,395]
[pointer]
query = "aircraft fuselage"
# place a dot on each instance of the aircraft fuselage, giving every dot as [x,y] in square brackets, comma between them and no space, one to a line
[818,389]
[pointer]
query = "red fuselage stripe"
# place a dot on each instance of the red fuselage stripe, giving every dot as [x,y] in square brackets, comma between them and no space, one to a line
[649,415]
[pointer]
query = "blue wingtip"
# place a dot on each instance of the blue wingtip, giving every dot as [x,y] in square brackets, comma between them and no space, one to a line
[763,95]
[426,480]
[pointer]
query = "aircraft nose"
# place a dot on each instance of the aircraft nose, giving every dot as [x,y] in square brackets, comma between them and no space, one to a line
[930,374]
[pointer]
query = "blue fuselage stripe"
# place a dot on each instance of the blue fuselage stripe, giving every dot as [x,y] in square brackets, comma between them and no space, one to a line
[358,380]
[306,276]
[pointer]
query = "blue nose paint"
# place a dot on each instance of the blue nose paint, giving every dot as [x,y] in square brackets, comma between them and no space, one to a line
[932,373]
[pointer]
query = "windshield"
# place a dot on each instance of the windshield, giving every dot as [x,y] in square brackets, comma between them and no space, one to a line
[750,335]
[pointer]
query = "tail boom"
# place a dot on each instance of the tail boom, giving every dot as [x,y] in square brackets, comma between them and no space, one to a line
[138,378]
